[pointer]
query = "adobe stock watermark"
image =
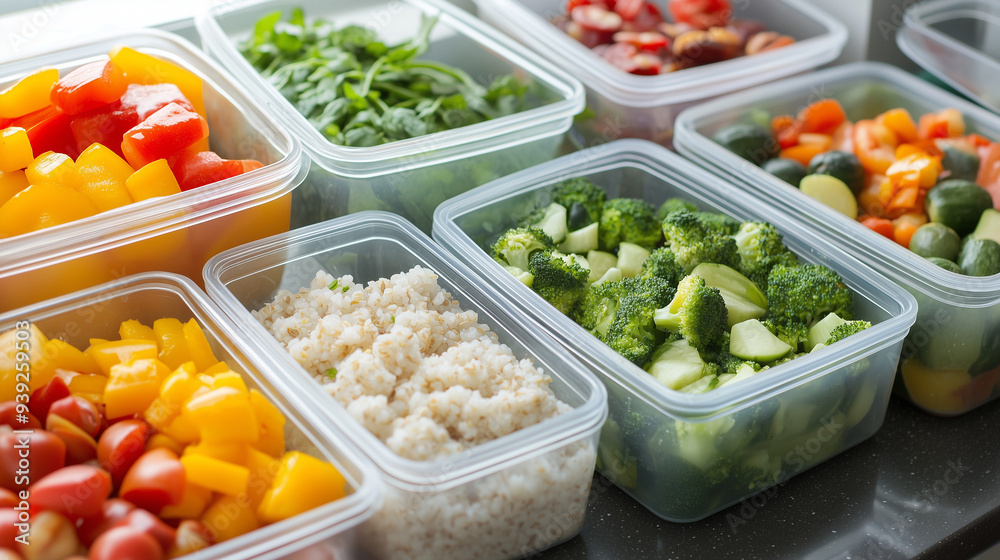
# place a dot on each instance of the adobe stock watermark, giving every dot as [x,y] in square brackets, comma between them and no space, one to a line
[33,23]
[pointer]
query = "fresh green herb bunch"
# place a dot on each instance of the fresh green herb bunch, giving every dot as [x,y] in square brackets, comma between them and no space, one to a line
[358,91]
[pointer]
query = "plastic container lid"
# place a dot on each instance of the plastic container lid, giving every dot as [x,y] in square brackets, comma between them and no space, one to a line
[959,42]
[148,218]
[399,19]
[863,88]
[820,40]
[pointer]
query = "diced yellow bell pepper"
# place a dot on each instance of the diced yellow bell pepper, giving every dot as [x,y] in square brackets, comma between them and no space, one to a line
[102,174]
[11,344]
[230,379]
[182,430]
[153,180]
[135,329]
[83,383]
[193,502]
[62,355]
[235,453]
[43,206]
[229,517]
[11,183]
[110,353]
[133,386]
[96,341]
[303,482]
[182,384]
[263,468]
[159,414]
[15,149]
[166,442]
[215,474]
[271,424]
[223,415]
[170,338]
[219,367]
[198,346]
[29,94]
[52,168]
[144,69]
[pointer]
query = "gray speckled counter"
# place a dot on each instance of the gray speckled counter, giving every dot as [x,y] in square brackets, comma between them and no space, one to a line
[922,487]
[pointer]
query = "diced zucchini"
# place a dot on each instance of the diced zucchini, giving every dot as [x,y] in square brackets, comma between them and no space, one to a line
[703,385]
[832,192]
[581,240]
[613,274]
[630,258]
[743,298]
[988,226]
[676,364]
[821,331]
[600,262]
[553,222]
[751,340]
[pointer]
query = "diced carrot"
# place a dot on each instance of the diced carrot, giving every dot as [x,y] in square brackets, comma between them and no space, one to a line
[905,201]
[823,116]
[880,226]
[947,123]
[905,225]
[815,138]
[842,140]
[803,153]
[786,130]
[900,122]
[875,145]
[868,199]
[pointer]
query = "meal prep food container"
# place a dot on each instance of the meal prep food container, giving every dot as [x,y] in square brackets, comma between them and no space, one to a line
[694,452]
[409,177]
[328,531]
[177,233]
[507,498]
[959,42]
[624,105]
[951,357]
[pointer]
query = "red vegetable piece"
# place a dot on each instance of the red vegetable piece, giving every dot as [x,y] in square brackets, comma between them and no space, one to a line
[628,9]
[8,499]
[9,416]
[596,18]
[43,397]
[649,18]
[194,170]
[88,87]
[647,41]
[8,532]
[120,447]
[701,13]
[155,480]
[47,455]
[80,446]
[113,511]
[143,101]
[79,411]
[49,131]
[105,125]
[646,64]
[163,134]
[150,524]
[75,491]
[621,55]
[125,543]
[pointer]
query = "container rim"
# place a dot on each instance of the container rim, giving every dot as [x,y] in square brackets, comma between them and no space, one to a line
[677,87]
[658,161]
[921,17]
[419,476]
[145,219]
[899,264]
[431,149]
[304,529]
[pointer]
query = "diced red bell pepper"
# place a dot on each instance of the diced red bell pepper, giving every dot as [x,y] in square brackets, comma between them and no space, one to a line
[89,87]
[104,125]
[197,169]
[701,13]
[49,131]
[146,100]
[163,134]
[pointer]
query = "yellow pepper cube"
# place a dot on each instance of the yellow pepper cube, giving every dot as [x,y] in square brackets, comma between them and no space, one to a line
[230,379]
[9,350]
[61,355]
[218,368]
[170,338]
[144,69]
[182,430]
[15,149]
[111,353]
[303,482]
[235,453]
[182,384]
[43,206]
[229,517]
[87,384]
[133,386]
[53,168]
[153,180]
[159,414]
[102,174]
[198,346]
[166,442]
[135,329]
[263,468]
[193,502]
[223,415]
[215,474]
[11,183]
[271,425]
[29,94]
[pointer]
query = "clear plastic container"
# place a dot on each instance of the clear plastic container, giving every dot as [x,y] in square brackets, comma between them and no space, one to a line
[959,42]
[329,531]
[959,318]
[506,498]
[178,233]
[409,177]
[627,106]
[690,455]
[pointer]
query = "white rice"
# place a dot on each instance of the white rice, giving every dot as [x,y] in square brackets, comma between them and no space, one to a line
[427,379]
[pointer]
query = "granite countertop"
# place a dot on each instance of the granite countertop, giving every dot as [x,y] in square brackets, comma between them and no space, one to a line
[922,487]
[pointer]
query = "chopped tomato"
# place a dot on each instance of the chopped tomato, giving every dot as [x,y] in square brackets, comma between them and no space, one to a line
[90,486]
[947,123]
[163,134]
[823,116]
[804,153]
[48,454]
[875,145]
[842,138]
[104,125]
[155,480]
[49,131]
[900,122]
[701,13]
[786,130]
[197,169]
[880,226]
[989,171]
[905,226]
[89,87]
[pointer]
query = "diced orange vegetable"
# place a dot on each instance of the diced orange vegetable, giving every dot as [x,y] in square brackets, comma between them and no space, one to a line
[166,442]
[229,379]
[11,183]
[842,138]
[154,179]
[271,423]
[905,201]
[43,206]
[15,149]
[263,468]
[868,200]
[193,502]
[109,353]
[86,385]
[229,517]
[823,116]
[303,482]
[144,69]
[880,226]
[52,168]
[163,134]
[102,177]
[182,429]
[989,171]
[134,329]
[88,87]
[8,358]
[915,170]
[905,225]
[220,367]
[947,123]
[133,386]
[215,474]
[198,346]
[977,140]
[28,95]
[900,122]
[875,146]
[235,453]
[60,354]
[223,415]
[786,130]
[803,153]
[171,341]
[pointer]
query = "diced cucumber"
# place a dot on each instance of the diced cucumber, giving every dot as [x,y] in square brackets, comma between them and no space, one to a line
[600,262]
[988,226]
[832,192]
[703,385]
[553,222]
[725,378]
[820,332]
[863,401]
[676,364]
[743,298]
[630,258]
[743,373]
[751,340]
[613,274]
[958,204]
[581,240]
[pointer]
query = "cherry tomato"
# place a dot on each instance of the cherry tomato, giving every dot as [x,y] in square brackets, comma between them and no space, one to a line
[151,525]
[79,411]
[201,168]
[648,41]
[9,417]
[192,536]
[125,543]
[596,18]
[43,397]
[120,446]
[52,536]
[75,491]
[7,498]
[628,9]
[646,64]
[155,480]
[8,517]
[701,13]
[48,454]
[88,87]
[80,447]
[113,511]
[621,55]
[649,18]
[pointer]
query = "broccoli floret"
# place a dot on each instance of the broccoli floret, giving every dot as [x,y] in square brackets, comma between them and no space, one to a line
[697,312]
[516,246]
[840,332]
[558,278]
[721,223]
[598,308]
[790,331]
[633,334]
[693,241]
[662,264]
[807,293]
[631,220]
[761,248]
[580,194]
[673,205]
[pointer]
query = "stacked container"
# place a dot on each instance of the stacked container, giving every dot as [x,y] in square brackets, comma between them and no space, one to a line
[686,456]
[623,105]
[178,233]
[410,177]
[951,359]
